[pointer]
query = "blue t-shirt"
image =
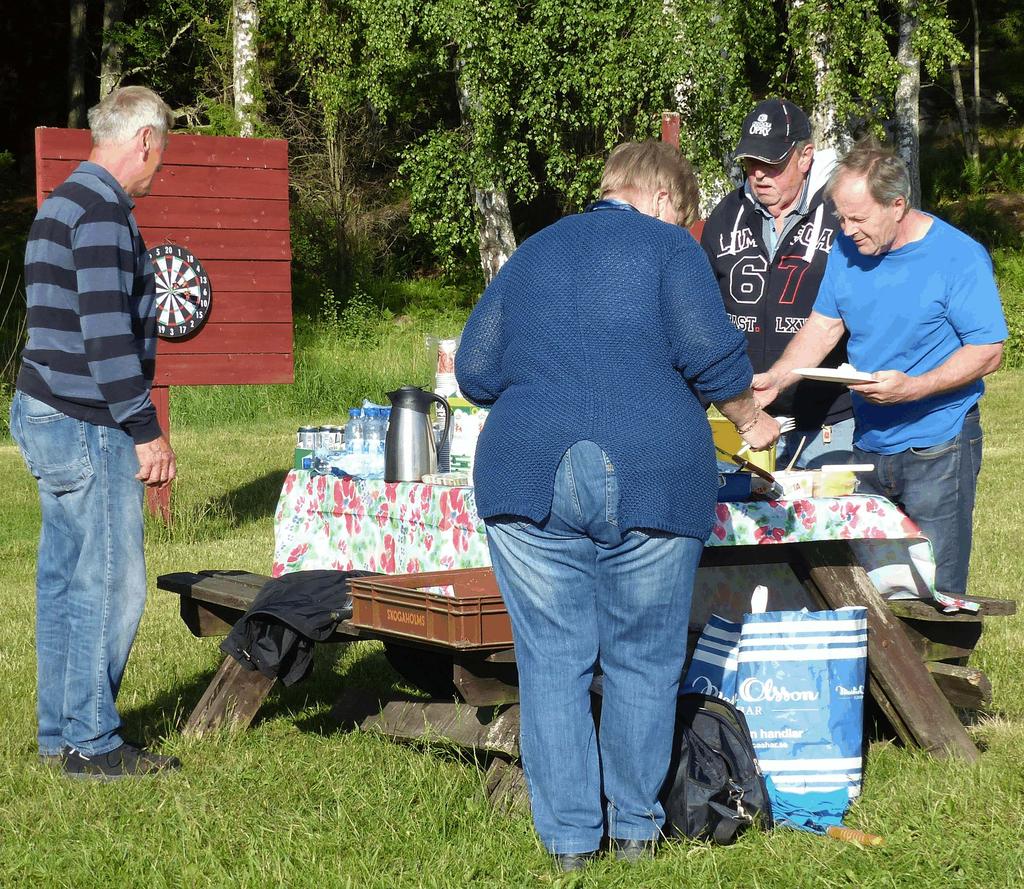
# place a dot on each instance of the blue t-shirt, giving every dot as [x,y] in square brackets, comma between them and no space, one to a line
[910,309]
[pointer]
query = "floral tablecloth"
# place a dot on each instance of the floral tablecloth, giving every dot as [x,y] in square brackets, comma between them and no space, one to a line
[395,528]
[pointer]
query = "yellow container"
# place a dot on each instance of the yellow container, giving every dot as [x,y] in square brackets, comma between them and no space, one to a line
[728,439]
[836,481]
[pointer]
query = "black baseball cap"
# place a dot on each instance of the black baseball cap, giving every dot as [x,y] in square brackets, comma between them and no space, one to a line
[771,130]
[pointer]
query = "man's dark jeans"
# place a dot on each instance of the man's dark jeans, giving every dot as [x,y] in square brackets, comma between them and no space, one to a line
[935,486]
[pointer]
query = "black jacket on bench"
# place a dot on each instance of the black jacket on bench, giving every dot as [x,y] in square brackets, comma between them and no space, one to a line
[289,614]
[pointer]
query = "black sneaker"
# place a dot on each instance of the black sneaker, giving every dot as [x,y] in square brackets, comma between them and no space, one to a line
[126,761]
[632,850]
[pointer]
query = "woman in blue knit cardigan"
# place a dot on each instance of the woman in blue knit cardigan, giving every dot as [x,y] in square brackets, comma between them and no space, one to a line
[596,475]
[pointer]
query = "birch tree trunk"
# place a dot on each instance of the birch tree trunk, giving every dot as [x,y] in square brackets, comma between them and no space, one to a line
[338,198]
[827,130]
[77,51]
[970,143]
[824,118]
[712,185]
[494,229]
[110,52]
[245,18]
[495,236]
[977,72]
[908,91]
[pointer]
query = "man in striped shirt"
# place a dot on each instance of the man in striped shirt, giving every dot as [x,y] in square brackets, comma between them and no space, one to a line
[85,424]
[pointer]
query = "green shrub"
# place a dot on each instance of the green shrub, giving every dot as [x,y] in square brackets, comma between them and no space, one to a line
[1006,170]
[986,220]
[1010,274]
[12,326]
[948,175]
[9,183]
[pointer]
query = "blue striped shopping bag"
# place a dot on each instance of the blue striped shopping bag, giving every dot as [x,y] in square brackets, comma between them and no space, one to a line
[712,669]
[800,683]
[798,677]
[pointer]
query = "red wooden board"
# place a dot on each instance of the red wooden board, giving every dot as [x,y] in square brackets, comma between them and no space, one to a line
[189,181]
[215,213]
[670,134]
[203,151]
[670,127]
[234,339]
[227,200]
[254,307]
[197,370]
[213,243]
[234,275]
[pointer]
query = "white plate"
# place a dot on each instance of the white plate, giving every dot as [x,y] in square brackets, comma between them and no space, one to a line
[833,375]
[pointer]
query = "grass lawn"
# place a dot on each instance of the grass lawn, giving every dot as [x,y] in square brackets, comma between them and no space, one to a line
[296,802]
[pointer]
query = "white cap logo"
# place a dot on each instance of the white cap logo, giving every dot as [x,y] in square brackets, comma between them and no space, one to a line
[761,127]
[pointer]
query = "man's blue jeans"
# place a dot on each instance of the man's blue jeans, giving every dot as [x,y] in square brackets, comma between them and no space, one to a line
[935,486]
[91,576]
[581,592]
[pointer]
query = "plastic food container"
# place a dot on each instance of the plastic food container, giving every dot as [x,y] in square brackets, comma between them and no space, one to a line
[448,479]
[835,481]
[798,484]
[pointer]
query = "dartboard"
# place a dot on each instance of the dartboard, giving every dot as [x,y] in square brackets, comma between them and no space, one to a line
[183,293]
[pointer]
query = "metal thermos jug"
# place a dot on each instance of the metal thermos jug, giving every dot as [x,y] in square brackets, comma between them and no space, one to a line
[410,451]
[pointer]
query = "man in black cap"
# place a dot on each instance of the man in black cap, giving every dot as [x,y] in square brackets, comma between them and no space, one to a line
[768,243]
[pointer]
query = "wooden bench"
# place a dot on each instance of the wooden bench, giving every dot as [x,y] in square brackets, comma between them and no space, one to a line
[212,601]
[918,671]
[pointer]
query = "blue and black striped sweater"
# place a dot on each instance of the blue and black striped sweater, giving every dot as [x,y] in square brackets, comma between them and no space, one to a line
[91,307]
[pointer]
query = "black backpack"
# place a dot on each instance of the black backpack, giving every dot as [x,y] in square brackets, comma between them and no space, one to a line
[714,789]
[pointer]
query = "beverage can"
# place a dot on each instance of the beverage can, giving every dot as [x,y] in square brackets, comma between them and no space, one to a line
[329,438]
[306,437]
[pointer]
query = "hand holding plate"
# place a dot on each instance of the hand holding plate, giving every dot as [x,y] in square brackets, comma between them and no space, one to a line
[888,387]
[765,388]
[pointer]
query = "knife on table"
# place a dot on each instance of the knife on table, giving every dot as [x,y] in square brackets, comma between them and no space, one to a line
[776,488]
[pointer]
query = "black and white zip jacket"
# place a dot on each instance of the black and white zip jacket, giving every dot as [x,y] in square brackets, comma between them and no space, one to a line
[770,298]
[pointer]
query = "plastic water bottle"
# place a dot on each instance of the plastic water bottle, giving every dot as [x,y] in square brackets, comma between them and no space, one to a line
[354,457]
[382,422]
[355,432]
[374,444]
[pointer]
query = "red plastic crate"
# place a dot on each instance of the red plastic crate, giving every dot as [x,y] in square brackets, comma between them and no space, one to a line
[402,605]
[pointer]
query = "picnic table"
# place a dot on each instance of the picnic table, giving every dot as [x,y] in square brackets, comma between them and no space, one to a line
[816,553]
[405,528]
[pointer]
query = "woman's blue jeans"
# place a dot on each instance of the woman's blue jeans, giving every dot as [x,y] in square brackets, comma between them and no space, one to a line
[580,593]
[91,575]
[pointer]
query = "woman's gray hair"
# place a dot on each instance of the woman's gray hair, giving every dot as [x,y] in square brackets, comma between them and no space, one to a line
[125,111]
[883,170]
[652,166]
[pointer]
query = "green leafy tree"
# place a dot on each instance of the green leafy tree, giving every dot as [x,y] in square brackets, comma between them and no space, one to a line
[714,46]
[181,49]
[553,86]
[343,84]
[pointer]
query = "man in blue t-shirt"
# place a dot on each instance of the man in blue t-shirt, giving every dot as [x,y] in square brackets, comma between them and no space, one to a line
[924,317]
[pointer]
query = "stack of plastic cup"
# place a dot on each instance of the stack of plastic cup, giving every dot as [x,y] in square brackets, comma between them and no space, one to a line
[446,386]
